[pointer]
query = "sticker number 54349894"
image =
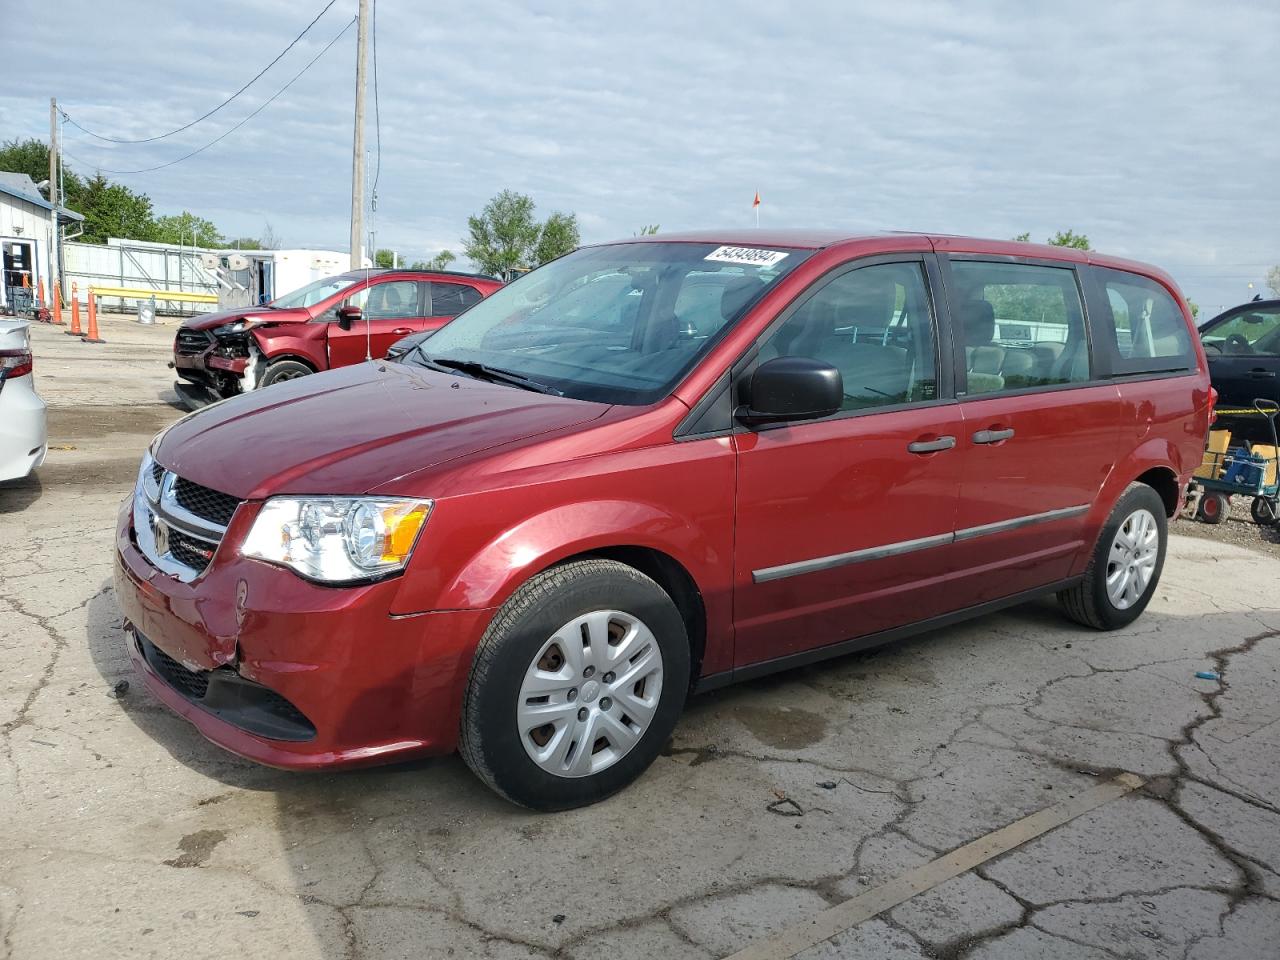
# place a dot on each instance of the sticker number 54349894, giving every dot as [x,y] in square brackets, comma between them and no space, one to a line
[750,256]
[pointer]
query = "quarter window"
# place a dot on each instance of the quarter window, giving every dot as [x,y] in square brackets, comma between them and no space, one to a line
[1022,325]
[1253,333]
[450,299]
[875,326]
[1148,330]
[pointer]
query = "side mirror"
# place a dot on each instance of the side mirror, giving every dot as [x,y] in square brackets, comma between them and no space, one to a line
[792,388]
[348,314]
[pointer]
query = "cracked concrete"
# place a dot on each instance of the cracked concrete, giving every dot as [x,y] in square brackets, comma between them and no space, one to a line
[128,834]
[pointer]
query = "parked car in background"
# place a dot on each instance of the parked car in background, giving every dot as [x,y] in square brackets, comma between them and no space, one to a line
[23,438]
[533,537]
[402,346]
[327,324]
[1242,346]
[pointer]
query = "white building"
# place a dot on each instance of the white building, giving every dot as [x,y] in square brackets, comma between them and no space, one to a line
[27,240]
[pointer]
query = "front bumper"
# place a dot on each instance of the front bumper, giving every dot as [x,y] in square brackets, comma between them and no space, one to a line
[374,687]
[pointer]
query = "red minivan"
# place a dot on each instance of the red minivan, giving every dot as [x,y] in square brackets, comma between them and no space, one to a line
[330,323]
[654,467]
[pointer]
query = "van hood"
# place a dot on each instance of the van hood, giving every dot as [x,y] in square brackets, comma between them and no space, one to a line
[207,321]
[352,430]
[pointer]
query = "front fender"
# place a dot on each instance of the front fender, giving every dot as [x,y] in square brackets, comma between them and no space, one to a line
[301,341]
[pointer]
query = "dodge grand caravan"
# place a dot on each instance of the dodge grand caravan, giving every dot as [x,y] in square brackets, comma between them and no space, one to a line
[535,535]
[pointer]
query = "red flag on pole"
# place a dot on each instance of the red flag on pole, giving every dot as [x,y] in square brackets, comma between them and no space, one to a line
[756,201]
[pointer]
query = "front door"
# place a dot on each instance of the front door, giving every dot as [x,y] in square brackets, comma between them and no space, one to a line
[391,309]
[1040,434]
[844,524]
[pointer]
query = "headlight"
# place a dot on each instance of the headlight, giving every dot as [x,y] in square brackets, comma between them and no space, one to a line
[240,326]
[337,539]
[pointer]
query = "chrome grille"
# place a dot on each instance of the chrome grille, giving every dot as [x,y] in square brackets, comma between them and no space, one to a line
[178,524]
[205,503]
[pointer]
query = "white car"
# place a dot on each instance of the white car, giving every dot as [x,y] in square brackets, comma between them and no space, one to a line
[24,440]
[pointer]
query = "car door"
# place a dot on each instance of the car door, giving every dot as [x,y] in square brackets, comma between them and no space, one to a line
[1243,350]
[1041,432]
[844,524]
[390,309]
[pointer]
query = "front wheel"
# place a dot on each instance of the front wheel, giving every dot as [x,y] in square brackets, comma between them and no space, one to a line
[1126,563]
[575,686]
[283,370]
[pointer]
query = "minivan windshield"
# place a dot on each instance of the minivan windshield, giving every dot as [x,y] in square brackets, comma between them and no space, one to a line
[313,293]
[620,323]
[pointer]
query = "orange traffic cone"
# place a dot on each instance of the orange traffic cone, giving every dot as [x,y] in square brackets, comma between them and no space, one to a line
[42,311]
[75,330]
[57,306]
[92,335]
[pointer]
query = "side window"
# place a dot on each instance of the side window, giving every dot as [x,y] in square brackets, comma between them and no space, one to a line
[1021,325]
[875,326]
[1147,330]
[450,299]
[1254,333]
[393,300]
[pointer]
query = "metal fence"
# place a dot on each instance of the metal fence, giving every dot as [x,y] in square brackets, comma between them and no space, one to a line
[137,264]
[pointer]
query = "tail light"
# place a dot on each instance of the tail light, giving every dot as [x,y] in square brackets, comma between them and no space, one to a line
[14,363]
[1213,402]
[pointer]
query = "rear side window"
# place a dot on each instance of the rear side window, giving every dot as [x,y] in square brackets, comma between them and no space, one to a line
[1021,324]
[450,299]
[1252,333]
[875,326]
[1146,328]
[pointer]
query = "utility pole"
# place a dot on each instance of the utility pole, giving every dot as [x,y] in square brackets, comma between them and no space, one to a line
[55,255]
[357,146]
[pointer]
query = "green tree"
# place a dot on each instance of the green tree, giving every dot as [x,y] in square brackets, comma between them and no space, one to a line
[384,258]
[113,210]
[440,261]
[1024,237]
[648,230]
[187,229]
[242,243]
[506,236]
[1273,280]
[1195,309]
[1069,238]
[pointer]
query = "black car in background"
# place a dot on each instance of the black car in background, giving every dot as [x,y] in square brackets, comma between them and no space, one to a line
[1243,349]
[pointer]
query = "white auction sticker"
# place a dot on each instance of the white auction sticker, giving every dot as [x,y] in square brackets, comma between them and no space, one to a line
[750,256]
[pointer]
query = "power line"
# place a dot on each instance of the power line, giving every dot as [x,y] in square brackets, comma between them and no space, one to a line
[228,133]
[377,110]
[206,116]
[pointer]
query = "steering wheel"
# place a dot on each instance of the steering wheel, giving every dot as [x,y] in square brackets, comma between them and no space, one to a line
[1238,343]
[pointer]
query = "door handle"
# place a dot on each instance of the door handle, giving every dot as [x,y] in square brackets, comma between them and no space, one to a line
[1262,374]
[931,446]
[402,331]
[992,436]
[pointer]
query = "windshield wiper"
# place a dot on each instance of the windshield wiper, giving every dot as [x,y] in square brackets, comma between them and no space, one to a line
[482,371]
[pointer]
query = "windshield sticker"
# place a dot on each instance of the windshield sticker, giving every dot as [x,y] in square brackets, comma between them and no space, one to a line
[746,255]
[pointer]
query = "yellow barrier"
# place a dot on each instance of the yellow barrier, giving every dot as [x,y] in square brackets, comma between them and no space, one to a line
[131,293]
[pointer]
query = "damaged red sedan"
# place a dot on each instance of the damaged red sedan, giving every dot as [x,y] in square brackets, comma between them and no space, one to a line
[653,467]
[327,324]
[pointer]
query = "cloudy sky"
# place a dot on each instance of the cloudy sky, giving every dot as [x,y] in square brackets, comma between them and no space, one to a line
[1153,128]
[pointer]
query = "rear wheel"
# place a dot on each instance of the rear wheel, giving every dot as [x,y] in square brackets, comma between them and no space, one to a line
[1126,563]
[283,370]
[576,685]
[1214,507]
[1264,511]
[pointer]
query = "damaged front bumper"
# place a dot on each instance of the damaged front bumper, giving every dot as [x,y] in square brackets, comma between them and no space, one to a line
[213,367]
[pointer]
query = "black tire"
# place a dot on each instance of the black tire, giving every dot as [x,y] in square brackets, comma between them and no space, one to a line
[284,370]
[1264,511]
[1088,602]
[490,741]
[1214,507]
